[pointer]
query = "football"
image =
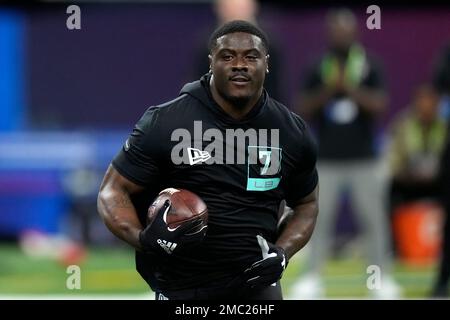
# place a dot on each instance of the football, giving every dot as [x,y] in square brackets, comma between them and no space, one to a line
[185,206]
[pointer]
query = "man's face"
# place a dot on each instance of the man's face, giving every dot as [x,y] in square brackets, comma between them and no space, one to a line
[426,102]
[239,64]
[341,33]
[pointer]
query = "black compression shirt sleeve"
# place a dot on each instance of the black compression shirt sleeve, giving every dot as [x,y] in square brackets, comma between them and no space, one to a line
[138,160]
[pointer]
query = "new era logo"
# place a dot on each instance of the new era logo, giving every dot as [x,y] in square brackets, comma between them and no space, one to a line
[167,245]
[196,156]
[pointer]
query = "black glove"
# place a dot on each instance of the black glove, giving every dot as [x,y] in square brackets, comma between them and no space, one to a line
[158,238]
[269,269]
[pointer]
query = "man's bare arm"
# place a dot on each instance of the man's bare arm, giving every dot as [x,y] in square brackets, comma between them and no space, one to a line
[372,101]
[311,102]
[116,209]
[300,224]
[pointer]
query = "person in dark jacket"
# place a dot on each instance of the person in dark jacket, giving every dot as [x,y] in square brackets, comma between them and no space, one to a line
[225,139]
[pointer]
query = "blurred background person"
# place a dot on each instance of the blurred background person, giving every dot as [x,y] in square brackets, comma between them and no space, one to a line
[440,287]
[343,96]
[247,10]
[417,141]
[442,82]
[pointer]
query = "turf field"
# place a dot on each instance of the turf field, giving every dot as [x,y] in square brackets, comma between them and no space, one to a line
[110,273]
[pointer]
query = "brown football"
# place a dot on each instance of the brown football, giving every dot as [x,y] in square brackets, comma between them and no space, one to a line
[184,206]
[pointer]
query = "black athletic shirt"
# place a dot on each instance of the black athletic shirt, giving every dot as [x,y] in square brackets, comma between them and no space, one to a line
[243,199]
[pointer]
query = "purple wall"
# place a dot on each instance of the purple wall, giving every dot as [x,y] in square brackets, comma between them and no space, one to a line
[124,59]
[128,57]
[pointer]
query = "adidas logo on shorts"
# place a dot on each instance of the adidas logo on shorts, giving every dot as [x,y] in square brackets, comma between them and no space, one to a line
[167,245]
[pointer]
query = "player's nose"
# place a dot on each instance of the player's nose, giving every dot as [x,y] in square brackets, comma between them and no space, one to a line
[239,68]
[240,64]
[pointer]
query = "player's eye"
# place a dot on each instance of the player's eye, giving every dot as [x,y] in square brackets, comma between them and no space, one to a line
[252,58]
[227,57]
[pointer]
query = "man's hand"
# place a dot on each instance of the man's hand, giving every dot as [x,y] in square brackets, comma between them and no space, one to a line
[158,238]
[269,269]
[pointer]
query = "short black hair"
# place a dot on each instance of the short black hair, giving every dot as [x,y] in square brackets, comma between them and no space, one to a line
[238,26]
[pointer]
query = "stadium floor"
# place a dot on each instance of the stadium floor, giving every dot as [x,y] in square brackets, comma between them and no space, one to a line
[108,273]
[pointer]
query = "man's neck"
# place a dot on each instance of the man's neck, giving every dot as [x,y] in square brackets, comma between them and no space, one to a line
[237,113]
[341,54]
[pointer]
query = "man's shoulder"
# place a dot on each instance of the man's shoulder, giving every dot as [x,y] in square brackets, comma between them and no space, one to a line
[166,115]
[278,111]
[182,101]
[295,136]
[277,107]
[171,109]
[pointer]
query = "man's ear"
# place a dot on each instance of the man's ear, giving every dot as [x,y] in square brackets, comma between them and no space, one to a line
[210,62]
[267,63]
